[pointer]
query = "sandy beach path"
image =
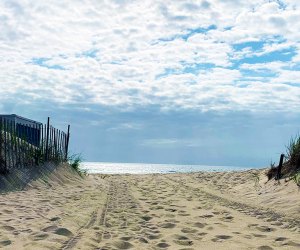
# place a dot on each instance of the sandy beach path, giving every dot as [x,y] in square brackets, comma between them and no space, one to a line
[182,215]
[56,212]
[155,211]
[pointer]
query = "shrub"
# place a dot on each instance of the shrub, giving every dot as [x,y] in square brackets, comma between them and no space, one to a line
[296,178]
[293,151]
[75,161]
[291,166]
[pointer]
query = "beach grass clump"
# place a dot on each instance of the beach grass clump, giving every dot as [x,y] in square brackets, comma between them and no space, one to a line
[272,171]
[291,166]
[293,151]
[296,178]
[74,162]
[256,180]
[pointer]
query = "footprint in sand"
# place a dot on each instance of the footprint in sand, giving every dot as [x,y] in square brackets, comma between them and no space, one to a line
[182,240]
[171,210]
[183,213]
[4,243]
[143,240]
[281,239]
[252,225]
[50,229]
[55,219]
[265,248]
[247,236]
[188,230]
[277,223]
[167,225]
[227,218]
[265,229]
[126,238]
[259,235]
[151,227]
[106,235]
[163,245]
[170,215]
[8,228]
[156,207]
[146,217]
[40,236]
[199,225]
[63,231]
[7,211]
[122,245]
[219,238]
[206,216]
[29,218]
[153,236]
[292,244]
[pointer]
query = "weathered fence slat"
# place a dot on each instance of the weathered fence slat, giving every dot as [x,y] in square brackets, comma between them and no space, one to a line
[67,142]
[5,146]
[278,176]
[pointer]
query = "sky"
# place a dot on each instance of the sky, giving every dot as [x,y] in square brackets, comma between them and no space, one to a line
[182,82]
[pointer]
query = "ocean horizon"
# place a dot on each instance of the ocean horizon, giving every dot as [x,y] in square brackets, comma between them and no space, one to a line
[151,168]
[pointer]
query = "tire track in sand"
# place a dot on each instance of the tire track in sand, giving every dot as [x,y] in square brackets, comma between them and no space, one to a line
[260,213]
[71,243]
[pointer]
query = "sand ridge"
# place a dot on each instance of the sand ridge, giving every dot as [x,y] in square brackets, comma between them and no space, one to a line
[155,211]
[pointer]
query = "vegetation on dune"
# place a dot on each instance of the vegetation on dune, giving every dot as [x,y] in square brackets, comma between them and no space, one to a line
[74,161]
[22,154]
[17,152]
[272,171]
[293,151]
[296,178]
[291,166]
[256,180]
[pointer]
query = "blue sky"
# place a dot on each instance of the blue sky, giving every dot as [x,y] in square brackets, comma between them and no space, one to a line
[192,82]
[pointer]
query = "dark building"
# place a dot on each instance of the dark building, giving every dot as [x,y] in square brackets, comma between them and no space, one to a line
[25,128]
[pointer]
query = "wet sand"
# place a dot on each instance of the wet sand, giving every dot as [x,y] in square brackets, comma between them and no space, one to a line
[155,211]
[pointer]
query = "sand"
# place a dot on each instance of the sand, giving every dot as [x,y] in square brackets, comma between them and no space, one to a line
[171,211]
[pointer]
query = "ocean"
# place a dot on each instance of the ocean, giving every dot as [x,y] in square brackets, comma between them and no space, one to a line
[142,168]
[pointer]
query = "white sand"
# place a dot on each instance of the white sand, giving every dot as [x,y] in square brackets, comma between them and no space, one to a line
[173,211]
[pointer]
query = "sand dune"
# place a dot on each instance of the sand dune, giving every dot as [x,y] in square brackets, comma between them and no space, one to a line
[172,211]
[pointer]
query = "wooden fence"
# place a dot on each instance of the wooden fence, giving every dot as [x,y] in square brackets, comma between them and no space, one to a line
[31,145]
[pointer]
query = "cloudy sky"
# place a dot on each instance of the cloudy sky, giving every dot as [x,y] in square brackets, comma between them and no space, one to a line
[209,82]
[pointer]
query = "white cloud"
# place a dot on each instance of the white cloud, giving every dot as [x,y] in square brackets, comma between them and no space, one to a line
[172,142]
[126,126]
[160,142]
[133,53]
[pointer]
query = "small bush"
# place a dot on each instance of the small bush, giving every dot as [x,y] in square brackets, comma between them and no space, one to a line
[296,178]
[293,151]
[291,166]
[75,161]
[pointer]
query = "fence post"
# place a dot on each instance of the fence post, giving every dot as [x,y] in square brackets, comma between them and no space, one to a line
[67,142]
[47,139]
[279,167]
[2,160]
[1,157]
[5,145]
